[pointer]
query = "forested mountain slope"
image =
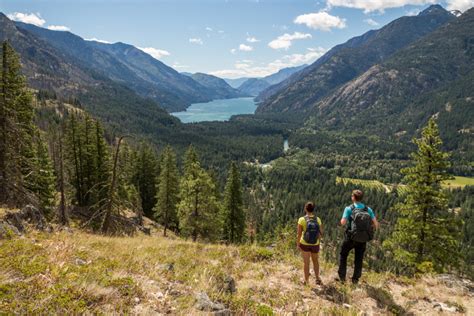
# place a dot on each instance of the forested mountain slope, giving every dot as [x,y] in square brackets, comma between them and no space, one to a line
[220,88]
[433,76]
[347,61]
[129,65]
[50,69]
[254,86]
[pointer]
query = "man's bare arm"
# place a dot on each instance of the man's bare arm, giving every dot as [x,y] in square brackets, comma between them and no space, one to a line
[375,223]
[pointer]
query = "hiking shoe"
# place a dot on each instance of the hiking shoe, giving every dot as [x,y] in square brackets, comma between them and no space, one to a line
[355,281]
[319,282]
[340,280]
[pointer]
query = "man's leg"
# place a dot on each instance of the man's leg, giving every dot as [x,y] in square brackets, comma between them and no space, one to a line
[346,247]
[359,249]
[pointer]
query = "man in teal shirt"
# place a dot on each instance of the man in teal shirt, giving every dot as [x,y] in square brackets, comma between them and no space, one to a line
[349,244]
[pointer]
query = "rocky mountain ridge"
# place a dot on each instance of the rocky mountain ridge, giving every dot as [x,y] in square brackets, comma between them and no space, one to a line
[347,61]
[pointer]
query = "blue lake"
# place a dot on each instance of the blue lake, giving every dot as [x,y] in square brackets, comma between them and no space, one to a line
[217,110]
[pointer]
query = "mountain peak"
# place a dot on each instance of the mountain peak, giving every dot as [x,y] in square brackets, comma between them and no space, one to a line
[433,9]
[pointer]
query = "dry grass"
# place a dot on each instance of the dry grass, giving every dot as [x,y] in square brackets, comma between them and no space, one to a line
[70,273]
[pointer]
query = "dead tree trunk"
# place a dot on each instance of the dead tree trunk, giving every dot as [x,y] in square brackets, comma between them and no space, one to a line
[106,223]
[63,219]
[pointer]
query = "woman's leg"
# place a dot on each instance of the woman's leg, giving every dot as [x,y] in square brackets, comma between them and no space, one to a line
[306,258]
[315,258]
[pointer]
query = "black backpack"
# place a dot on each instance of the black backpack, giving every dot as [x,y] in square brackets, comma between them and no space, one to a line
[360,227]
[312,232]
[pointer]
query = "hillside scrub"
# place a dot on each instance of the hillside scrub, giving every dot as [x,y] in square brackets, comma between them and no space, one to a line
[75,272]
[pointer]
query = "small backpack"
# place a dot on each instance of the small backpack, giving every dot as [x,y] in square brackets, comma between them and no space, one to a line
[360,228]
[312,232]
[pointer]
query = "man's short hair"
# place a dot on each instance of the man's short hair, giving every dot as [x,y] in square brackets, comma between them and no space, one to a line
[358,195]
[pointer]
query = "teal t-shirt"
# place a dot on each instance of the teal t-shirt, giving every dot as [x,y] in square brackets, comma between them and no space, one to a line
[348,211]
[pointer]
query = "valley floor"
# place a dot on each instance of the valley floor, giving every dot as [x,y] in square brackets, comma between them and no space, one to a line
[74,272]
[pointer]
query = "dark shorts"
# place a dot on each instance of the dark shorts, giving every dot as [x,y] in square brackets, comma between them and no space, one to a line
[306,248]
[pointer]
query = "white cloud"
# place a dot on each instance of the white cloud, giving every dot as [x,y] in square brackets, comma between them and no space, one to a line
[209,29]
[252,39]
[371,22]
[178,65]
[197,41]
[378,5]
[247,68]
[245,48]
[461,5]
[233,50]
[413,12]
[58,28]
[321,21]
[154,52]
[93,39]
[30,18]
[284,41]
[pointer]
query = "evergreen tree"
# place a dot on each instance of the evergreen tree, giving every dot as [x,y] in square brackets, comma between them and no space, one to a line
[167,198]
[234,216]
[427,233]
[74,155]
[16,130]
[199,210]
[146,171]
[89,161]
[467,213]
[101,167]
[127,192]
[42,179]
[62,214]
[25,166]
[190,158]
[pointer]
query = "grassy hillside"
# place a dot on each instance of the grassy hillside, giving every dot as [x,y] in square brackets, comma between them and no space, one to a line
[459,182]
[69,273]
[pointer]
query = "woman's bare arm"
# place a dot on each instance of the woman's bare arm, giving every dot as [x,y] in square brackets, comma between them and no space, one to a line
[300,232]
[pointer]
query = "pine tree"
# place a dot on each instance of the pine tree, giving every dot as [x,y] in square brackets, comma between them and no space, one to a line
[234,216]
[101,172]
[26,173]
[146,171]
[75,158]
[190,158]
[127,192]
[42,179]
[16,130]
[62,214]
[167,197]
[199,211]
[427,234]
[111,205]
[89,162]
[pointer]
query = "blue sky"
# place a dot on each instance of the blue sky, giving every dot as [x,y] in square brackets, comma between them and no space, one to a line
[232,38]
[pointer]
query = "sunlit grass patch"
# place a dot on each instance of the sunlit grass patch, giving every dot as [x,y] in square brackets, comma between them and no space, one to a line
[458,182]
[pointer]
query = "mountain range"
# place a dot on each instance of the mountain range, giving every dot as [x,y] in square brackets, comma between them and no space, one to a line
[433,76]
[253,86]
[347,61]
[387,81]
[47,67]
[222,90]
[126,64]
